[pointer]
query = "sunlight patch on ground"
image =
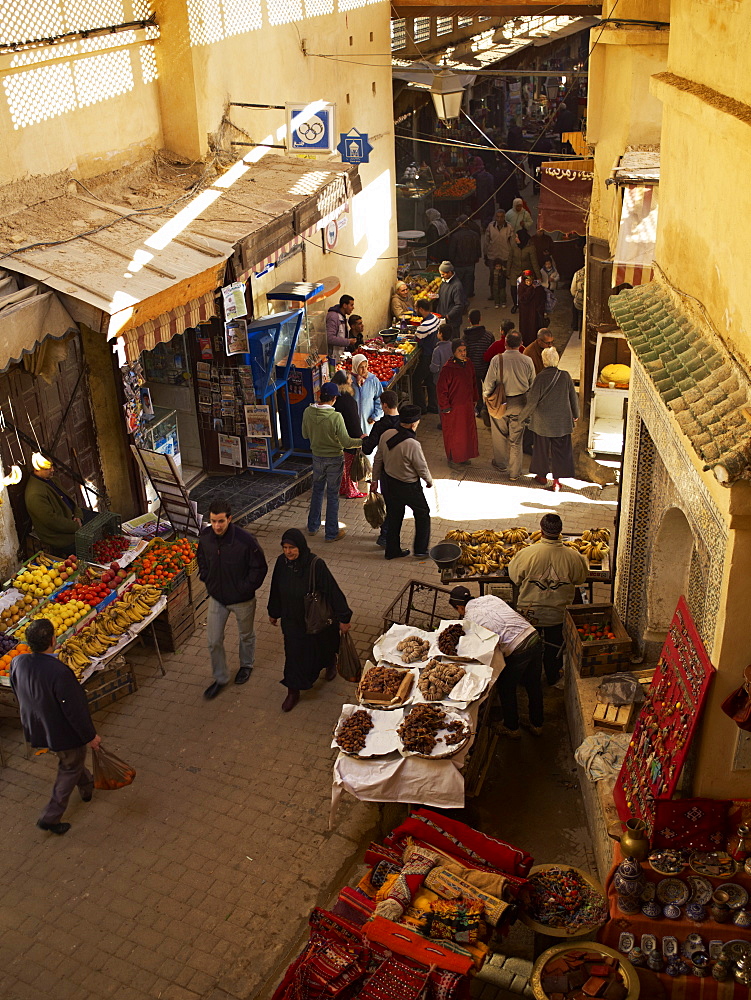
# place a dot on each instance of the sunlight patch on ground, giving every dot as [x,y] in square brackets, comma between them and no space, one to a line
[464,500]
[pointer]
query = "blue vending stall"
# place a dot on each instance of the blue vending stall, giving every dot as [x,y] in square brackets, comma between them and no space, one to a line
[271,346]
[308,369]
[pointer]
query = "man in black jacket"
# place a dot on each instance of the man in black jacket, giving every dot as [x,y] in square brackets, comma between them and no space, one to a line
[451,298]
[54,714]
[232,565]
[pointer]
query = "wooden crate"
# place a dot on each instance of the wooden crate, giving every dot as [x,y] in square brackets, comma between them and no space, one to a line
[107,686]
[592,659]
[616,717]
[197,588]
[621,718]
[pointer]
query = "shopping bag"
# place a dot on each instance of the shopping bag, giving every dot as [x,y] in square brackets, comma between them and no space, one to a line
[375,510]
[360,468]
[348,663]
[318,614]
[110,772]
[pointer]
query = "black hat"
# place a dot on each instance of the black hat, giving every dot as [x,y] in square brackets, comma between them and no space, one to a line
[409,413]
[459,595]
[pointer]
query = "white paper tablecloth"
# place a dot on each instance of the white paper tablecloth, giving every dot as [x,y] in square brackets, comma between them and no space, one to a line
[415,780]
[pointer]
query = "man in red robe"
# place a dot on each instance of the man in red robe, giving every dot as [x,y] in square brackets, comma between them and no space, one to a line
[457,395]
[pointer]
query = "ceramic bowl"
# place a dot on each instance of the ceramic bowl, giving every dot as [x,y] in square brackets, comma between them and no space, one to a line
[696,912]
[652,910]
[671,911]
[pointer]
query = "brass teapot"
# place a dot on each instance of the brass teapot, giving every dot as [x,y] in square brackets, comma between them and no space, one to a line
[633,839]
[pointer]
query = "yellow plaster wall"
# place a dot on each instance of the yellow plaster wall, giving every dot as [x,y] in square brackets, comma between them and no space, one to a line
[268,66]
[86,139]
[621,110]
[710,44]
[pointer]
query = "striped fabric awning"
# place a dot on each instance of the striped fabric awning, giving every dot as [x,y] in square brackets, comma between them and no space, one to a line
[165,327]
[635,248]
[279,252]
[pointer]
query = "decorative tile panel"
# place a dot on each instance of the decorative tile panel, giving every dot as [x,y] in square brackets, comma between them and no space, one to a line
[659,474]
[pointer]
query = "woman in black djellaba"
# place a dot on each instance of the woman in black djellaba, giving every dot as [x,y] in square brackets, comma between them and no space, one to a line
[305,656]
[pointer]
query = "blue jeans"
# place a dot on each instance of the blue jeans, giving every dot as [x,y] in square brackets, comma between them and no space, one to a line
[327,474]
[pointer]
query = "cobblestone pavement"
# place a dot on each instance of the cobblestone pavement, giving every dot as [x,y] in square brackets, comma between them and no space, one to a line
[196,881]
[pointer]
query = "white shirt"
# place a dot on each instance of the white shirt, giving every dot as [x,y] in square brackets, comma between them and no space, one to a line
[494,614]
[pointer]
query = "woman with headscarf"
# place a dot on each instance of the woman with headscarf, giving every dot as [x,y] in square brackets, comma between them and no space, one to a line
[522,257]
[401,301]
[436,236]
[346,404]
[457,396]
[367,390]
[305,656]
[552,408]
[531,298]
[518,217]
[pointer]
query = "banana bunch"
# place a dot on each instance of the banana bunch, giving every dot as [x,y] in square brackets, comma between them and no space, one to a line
[486,537]
[595,552]
[535,536]
[515,535]
[462,537]
[596,535]
[73,657]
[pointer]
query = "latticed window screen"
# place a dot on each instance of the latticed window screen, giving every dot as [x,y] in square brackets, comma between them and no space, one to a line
[444,25]
[464,22]
[96,69]
[398,33]
[284,11]
[421,29]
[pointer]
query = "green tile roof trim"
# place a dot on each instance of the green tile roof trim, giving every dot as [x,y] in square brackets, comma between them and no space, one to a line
[693,373]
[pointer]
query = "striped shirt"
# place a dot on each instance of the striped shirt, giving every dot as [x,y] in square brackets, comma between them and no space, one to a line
[428,326]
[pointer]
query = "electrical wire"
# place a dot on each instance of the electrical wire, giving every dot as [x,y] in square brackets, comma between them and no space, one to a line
[471,145]
[120,218]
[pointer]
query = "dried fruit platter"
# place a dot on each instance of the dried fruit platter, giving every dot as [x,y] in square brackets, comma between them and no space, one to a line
[433,731]
[354,737]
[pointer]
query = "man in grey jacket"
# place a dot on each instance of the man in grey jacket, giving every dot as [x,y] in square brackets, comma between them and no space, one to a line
[517,372]
[401,463]
[451,299]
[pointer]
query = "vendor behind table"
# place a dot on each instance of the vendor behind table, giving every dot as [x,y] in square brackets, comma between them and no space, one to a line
[522,648]
[547,575]
[55,516]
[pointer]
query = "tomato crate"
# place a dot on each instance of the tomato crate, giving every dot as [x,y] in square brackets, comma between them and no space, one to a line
[102,524]
[595,657]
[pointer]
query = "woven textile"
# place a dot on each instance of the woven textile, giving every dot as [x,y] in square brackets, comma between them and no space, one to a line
[453,920]
[395,979]
[695,824]
[462,842]
[409,880]
[452,887]
[354,905]
[407,943]
[329,968]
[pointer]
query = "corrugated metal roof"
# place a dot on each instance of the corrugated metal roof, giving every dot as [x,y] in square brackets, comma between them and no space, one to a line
[115,256]
[638,166]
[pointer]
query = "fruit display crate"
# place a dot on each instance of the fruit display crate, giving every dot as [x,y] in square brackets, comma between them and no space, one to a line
[108,686]
[599,656]
[197,589]
[102,524]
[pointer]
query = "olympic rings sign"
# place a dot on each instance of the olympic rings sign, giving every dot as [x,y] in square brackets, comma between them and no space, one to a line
[311,127]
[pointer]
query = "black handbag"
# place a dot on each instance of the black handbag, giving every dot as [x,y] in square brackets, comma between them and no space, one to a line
[318,614]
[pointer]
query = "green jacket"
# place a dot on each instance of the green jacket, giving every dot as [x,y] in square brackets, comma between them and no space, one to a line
[324,427]
[52,519]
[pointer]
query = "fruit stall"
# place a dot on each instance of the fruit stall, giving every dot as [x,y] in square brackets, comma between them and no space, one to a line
[454,198]
[147,590]
[392,364]
[483,556]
